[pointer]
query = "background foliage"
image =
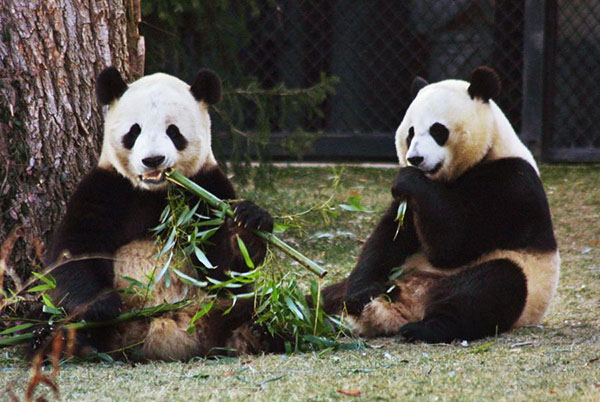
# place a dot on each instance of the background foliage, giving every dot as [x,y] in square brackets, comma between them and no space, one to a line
[183,36]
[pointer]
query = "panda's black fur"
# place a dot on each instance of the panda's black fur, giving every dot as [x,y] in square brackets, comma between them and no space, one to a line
[107,213]
[471,247]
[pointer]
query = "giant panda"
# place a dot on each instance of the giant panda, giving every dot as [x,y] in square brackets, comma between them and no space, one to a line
[153,124]
[476,252]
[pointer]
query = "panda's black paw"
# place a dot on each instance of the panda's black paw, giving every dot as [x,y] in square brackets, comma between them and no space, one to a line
[77,343]
[105,307]
[39,343]
[423,332]
[407,181]
[268,343]
[357,299]
[249,215]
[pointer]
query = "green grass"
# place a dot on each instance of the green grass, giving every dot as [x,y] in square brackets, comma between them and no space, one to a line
[560,361]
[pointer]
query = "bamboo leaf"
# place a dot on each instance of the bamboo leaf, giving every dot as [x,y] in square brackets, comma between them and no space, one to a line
[183,215]
[188,279]
[199,314]
[244,252]
[400,217]
[280,227]
[46,278]
[48,301]
[396,273]
[401,212]
[292,306]
[165,213]
[202,258]
[230,307]
[170,241]
[209,222]
[16,328]
[134,282]
[51,310]
[40,288]
[161,273]
[354,204]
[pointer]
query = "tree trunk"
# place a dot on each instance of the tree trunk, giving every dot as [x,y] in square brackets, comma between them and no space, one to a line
[50,123]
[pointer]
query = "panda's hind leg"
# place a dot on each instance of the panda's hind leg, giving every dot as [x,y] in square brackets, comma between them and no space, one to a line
[483,300]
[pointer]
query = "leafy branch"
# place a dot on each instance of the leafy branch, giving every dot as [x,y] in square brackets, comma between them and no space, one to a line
[128,316]
[215,202]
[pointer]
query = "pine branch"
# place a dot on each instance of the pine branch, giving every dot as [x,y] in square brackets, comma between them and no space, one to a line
[280,90]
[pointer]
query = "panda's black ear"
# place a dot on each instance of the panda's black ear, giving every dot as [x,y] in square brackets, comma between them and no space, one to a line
[485,83]
[110,85]
[207,87]
[416,85]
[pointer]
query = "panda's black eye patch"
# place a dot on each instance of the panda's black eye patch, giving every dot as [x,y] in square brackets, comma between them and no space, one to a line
[175,135]
[440,133]
[128,139]
[411,134]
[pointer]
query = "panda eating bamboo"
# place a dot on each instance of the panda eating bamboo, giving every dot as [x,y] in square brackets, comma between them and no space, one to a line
[476,253]
[153,124]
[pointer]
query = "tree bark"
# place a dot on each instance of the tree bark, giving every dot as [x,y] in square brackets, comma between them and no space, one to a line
[50,122]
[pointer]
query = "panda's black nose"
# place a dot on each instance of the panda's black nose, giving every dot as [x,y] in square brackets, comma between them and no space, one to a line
[153,161]
[415,160]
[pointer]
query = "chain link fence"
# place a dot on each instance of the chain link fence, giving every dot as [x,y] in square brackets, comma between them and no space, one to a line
[547,53]
[376,47]
[577,72]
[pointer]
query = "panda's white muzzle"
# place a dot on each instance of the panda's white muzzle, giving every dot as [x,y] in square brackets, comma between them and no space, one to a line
[425,154]
[155,169]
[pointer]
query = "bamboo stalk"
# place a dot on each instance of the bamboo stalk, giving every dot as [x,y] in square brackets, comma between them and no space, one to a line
[175,177]
[128,316]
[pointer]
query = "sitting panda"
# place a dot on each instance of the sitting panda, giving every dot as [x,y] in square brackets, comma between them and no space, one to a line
[155,123]
[476,248]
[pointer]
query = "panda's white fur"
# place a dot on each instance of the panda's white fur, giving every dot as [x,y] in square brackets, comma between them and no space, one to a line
[479,131]
[155,102]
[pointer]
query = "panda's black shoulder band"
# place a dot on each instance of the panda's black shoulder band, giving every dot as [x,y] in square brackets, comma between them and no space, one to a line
[207,87]
[110,85]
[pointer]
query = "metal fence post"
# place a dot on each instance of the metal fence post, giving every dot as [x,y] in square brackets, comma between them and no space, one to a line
[538,68]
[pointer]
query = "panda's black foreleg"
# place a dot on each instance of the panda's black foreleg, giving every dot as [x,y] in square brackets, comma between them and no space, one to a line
[86,289]
[482,301]
[386,248]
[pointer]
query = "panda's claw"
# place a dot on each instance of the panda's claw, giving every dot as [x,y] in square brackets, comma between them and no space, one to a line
[250,216]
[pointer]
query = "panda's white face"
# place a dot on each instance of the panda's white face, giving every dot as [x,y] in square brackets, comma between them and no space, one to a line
[444,131]
[155,125]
